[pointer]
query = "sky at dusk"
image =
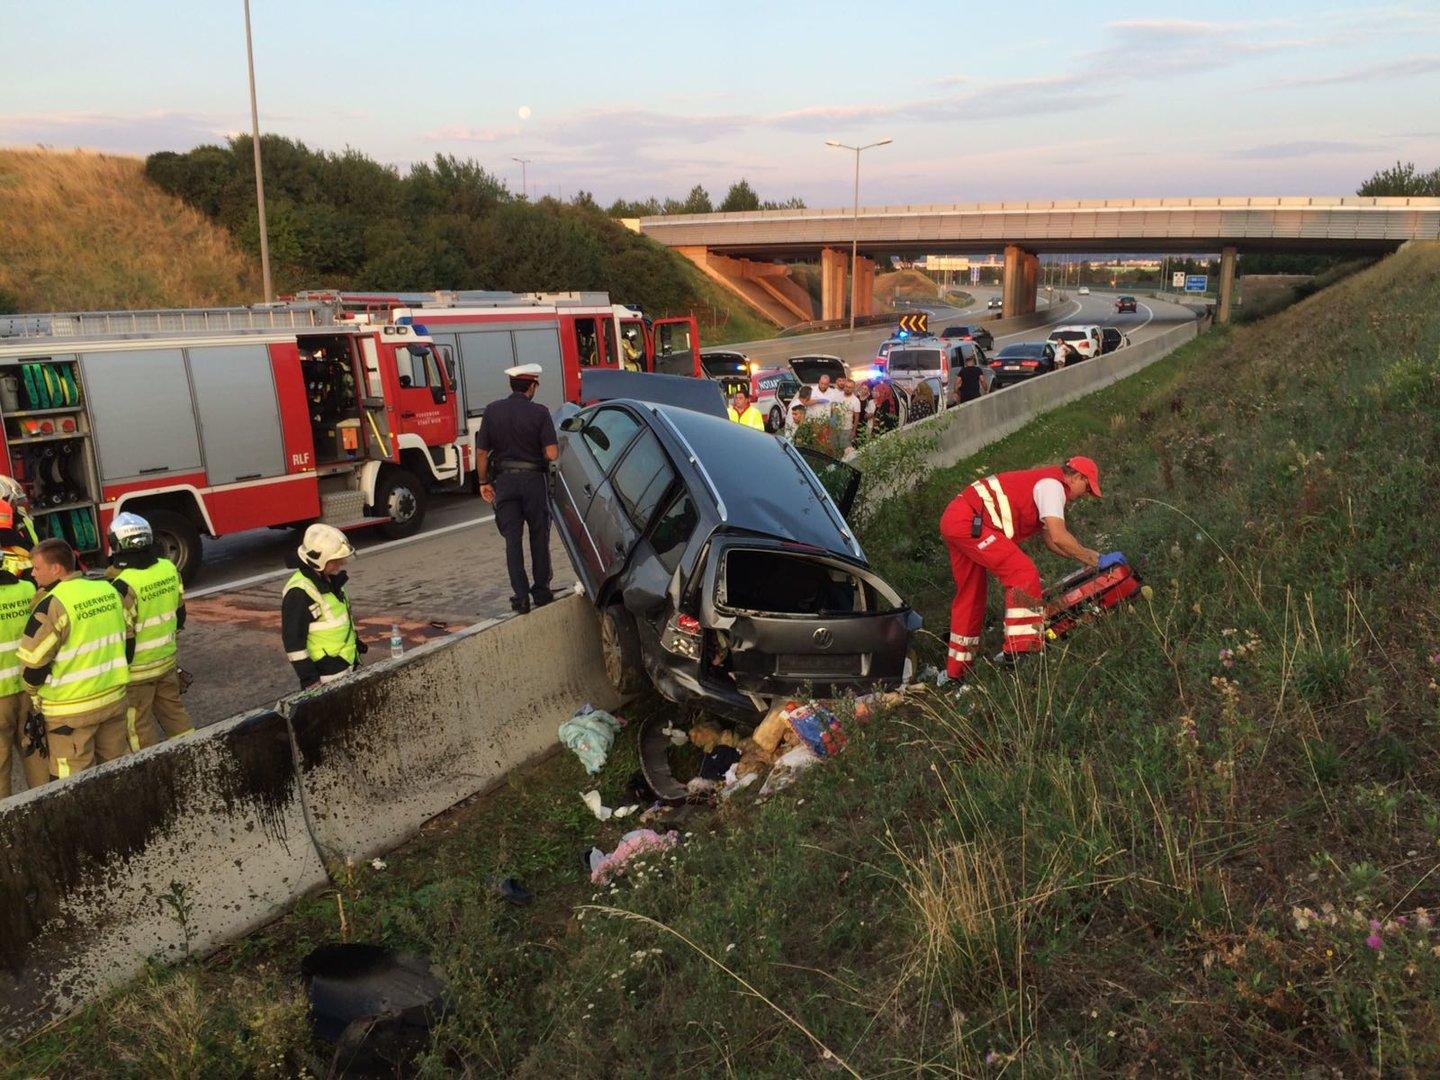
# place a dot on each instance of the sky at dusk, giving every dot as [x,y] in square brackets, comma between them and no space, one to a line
[983,101]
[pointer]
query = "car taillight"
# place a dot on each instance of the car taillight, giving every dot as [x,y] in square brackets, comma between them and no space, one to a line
[1030,363]
[994,363]
[682,636]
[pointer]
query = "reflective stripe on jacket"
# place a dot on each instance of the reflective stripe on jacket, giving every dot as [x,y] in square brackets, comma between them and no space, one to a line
[1007,500]
[158,596]
[89,669]
[16,600]
[332,630]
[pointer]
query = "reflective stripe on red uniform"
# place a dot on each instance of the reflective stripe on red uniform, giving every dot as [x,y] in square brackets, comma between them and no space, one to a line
[1006,500]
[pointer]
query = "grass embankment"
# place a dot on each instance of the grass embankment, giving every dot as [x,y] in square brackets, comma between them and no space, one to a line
[88,231]
[1200,836]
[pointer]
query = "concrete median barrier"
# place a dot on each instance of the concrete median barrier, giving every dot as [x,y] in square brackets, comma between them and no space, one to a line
[191,844]
[966,429]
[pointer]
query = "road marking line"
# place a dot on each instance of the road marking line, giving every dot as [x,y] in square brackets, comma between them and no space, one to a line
[270,575]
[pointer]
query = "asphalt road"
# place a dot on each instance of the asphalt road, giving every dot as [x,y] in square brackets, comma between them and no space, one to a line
[452,574]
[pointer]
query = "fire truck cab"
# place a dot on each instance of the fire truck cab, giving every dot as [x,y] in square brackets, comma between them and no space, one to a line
[480,334]
[209,422]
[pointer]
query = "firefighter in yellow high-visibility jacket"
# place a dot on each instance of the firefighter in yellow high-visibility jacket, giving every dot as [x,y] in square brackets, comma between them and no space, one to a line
[159,596]
[76,653]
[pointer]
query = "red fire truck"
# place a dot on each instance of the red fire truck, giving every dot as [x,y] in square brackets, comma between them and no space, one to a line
[214,421]
[480,334]
[335,407]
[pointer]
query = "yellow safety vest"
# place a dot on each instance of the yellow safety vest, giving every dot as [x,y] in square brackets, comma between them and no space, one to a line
[158,596]
[89,672]
[332,630]
[751,417]
[16,600]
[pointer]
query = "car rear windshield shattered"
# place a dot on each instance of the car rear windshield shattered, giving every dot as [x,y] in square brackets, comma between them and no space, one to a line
[780,583]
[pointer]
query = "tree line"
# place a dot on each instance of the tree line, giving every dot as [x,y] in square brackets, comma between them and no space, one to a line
[344,220]
[741,196]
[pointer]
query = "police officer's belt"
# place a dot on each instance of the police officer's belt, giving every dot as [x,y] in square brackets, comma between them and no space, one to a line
[519,466]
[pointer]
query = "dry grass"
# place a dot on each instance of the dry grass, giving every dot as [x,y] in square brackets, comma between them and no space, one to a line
[906,285]
[89,231]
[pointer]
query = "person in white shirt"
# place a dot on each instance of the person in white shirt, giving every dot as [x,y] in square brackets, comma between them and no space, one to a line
[850,408]
[826,392]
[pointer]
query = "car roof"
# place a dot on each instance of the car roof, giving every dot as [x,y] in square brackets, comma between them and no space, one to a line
[1082,327]
[761,481]
[684,391]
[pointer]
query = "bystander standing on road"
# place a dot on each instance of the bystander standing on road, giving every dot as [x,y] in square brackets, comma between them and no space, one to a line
[850,409]
[76,654]
[16,599]
[867,409]
[741,411]
[154,691]
[972,380]
[513,450]
[316,624]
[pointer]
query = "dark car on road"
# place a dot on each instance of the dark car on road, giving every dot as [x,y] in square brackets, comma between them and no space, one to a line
[1124,304]
[718,556]
[995,303]
[1021,361]
[977,334]
[1111,339]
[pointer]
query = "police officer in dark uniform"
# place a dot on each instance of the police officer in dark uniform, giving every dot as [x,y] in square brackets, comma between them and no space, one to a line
[515,443]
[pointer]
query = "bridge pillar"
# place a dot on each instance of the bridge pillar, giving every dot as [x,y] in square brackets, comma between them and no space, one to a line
[834,262]
[1227,284]
[1022,274]
[863,299]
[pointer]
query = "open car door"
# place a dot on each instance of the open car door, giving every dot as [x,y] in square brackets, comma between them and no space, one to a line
[840,480]
[676,344]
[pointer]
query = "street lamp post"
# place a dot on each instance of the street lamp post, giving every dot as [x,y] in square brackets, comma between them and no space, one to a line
[259,178]
[524,184]
[855,236]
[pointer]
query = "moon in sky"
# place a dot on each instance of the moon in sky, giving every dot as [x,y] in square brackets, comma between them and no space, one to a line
[524,112]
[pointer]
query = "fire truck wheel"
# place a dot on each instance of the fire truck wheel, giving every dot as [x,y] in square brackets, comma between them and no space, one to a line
[400,497]
[620,649]
[776,420]
[177,539]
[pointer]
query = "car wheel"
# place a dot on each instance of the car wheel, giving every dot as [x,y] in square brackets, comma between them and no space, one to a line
[400,497]
[620,650]
[177,539]
[776,420]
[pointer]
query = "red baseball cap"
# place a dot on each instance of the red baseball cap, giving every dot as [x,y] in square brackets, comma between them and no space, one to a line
[1088,469]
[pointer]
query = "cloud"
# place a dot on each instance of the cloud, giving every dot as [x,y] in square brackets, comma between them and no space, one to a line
[461,133]
[1415,65]
[137,133]
[1303,148]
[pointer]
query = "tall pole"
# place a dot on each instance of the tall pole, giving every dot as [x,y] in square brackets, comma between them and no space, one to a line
[259,175]
[855,225]
[524,176]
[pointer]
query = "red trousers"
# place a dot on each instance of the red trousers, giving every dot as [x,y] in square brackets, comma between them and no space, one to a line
[972,561]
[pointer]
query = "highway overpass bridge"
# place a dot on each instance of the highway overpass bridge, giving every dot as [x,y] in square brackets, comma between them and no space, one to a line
[747,252]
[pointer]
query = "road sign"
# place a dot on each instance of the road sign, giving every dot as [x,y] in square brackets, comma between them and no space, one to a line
[1177,279]
[918,323]
[1197,282]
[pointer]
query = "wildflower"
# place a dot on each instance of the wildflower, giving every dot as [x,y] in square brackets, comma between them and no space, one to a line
[1435,658]
[1227,657]
[377,864]
[1374,941]
[1375,924]
[1423,919]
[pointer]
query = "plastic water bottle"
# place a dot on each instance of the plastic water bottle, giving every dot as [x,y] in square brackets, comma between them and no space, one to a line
[397,646]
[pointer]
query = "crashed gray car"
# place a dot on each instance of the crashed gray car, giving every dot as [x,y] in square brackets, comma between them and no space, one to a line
[718,556]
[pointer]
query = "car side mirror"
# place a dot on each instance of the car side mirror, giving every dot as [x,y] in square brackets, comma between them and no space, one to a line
[437,394]
[572,423]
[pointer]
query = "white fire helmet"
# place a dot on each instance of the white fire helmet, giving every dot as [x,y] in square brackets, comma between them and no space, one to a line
[130,532]
[13,492]
[323,543]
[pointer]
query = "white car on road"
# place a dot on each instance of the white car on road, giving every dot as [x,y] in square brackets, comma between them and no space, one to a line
[1086,340]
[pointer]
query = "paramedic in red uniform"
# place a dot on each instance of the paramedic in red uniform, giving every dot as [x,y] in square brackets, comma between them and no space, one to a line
[984,526]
